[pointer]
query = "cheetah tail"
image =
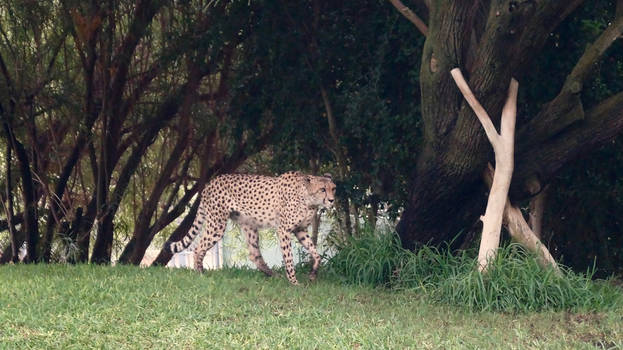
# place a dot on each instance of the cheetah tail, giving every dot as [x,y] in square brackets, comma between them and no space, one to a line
[195,229]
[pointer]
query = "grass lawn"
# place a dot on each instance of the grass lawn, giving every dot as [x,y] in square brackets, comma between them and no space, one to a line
[82,307]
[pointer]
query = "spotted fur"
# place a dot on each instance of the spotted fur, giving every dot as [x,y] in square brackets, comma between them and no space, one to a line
[286,202]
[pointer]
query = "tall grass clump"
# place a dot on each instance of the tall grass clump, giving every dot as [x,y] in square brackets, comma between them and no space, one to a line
[369,259]
[515,282]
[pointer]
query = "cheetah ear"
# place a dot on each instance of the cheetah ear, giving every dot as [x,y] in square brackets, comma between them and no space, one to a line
[328,175]
[307,182]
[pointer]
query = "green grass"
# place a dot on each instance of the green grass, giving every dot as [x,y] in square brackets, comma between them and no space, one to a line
[82,307]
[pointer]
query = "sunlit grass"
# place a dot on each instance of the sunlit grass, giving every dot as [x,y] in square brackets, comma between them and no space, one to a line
[82,307]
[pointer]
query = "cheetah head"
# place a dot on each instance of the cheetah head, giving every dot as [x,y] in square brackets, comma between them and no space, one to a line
[320,190]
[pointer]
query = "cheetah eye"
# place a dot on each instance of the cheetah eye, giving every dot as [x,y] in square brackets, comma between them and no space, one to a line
[323,190]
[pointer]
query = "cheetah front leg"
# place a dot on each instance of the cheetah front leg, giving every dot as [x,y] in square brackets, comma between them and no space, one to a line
[253,241]
[286,251]
[306,241]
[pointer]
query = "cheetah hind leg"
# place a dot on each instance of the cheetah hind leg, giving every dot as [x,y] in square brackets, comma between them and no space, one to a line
[253,242]
[213,234]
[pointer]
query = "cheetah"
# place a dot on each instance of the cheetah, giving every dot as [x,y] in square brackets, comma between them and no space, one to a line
[286,202]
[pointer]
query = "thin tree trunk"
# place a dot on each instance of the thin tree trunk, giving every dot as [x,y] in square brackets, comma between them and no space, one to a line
[31,226]
[86,224]
[83,234]
[346,205]
[7,254]
[168,109]
[536,209]
[373,211]
[73,234]
[315,224]
[9,206]
[115,81]
[314,165]
[410,15]
[503,146]
[17,219]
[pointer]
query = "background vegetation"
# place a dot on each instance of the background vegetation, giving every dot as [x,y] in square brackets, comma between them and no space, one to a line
[115,113]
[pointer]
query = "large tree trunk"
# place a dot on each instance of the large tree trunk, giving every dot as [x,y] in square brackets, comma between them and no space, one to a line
[493,40]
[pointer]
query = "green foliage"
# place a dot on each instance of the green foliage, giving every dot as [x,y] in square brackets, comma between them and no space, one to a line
[125,307]
[366,57]
[514,283]
[585,200]
[583,218]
